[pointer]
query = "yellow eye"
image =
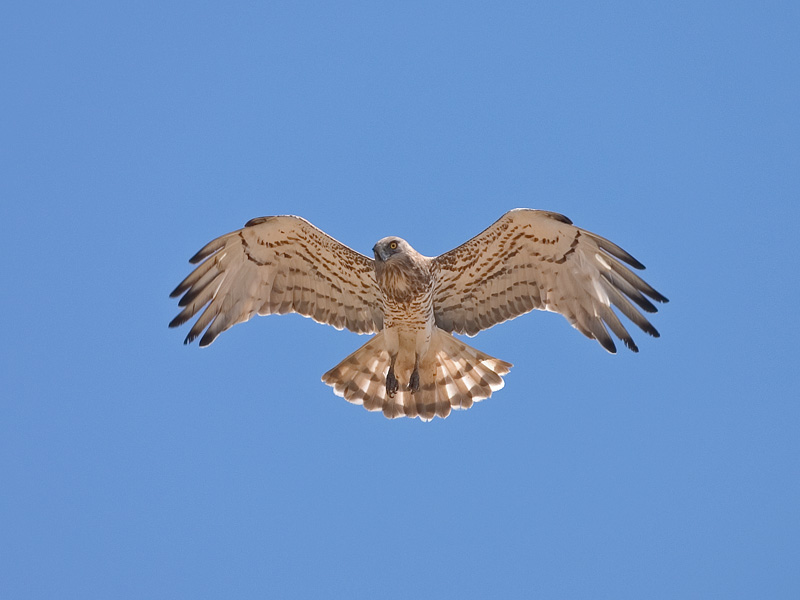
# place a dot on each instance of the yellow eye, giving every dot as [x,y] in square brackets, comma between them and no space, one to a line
[393,245]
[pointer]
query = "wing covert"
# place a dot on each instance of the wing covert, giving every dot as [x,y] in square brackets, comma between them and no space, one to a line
[533,259]
[277,265]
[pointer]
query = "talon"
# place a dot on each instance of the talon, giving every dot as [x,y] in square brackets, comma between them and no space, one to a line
[391,383]
[413,383]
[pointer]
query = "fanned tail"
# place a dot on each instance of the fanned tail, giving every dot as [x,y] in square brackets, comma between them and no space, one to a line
[452,375]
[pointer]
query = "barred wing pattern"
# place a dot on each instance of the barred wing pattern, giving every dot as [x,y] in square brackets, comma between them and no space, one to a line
[532,259]
[277,265]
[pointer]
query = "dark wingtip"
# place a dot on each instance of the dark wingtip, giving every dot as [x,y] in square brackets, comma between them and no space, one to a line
[558,217]
[645,305]
[631,345]
[190,296]
[176,322]
[623,255]
[635,263]
[608,345]
[256,221]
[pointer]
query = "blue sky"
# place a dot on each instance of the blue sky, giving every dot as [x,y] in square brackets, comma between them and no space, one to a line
[136,467]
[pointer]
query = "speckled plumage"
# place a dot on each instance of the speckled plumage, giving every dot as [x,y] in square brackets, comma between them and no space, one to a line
[526,260]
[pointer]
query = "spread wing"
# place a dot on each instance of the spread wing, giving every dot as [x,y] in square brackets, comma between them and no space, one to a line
[533,259]
[277,265]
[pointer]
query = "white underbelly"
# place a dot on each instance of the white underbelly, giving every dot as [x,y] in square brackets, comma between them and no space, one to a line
[407,345]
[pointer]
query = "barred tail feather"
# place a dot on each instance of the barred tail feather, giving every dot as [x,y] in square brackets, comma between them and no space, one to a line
[453,375]
[464,374]
[361,377]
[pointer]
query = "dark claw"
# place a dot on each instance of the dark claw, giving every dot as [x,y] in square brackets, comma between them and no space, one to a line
[391,383]
[413,383]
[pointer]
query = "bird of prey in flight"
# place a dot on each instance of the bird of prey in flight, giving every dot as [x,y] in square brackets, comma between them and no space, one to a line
[413,366]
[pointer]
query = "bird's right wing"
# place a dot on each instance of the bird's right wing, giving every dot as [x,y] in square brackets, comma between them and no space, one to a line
[277,265]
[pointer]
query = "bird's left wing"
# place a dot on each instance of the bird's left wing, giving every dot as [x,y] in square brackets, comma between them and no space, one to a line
[277,265]
[534,259]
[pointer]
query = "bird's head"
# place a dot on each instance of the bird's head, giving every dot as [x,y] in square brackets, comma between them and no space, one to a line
[388,247]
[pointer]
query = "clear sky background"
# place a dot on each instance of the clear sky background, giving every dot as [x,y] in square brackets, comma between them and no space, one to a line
[132,466]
